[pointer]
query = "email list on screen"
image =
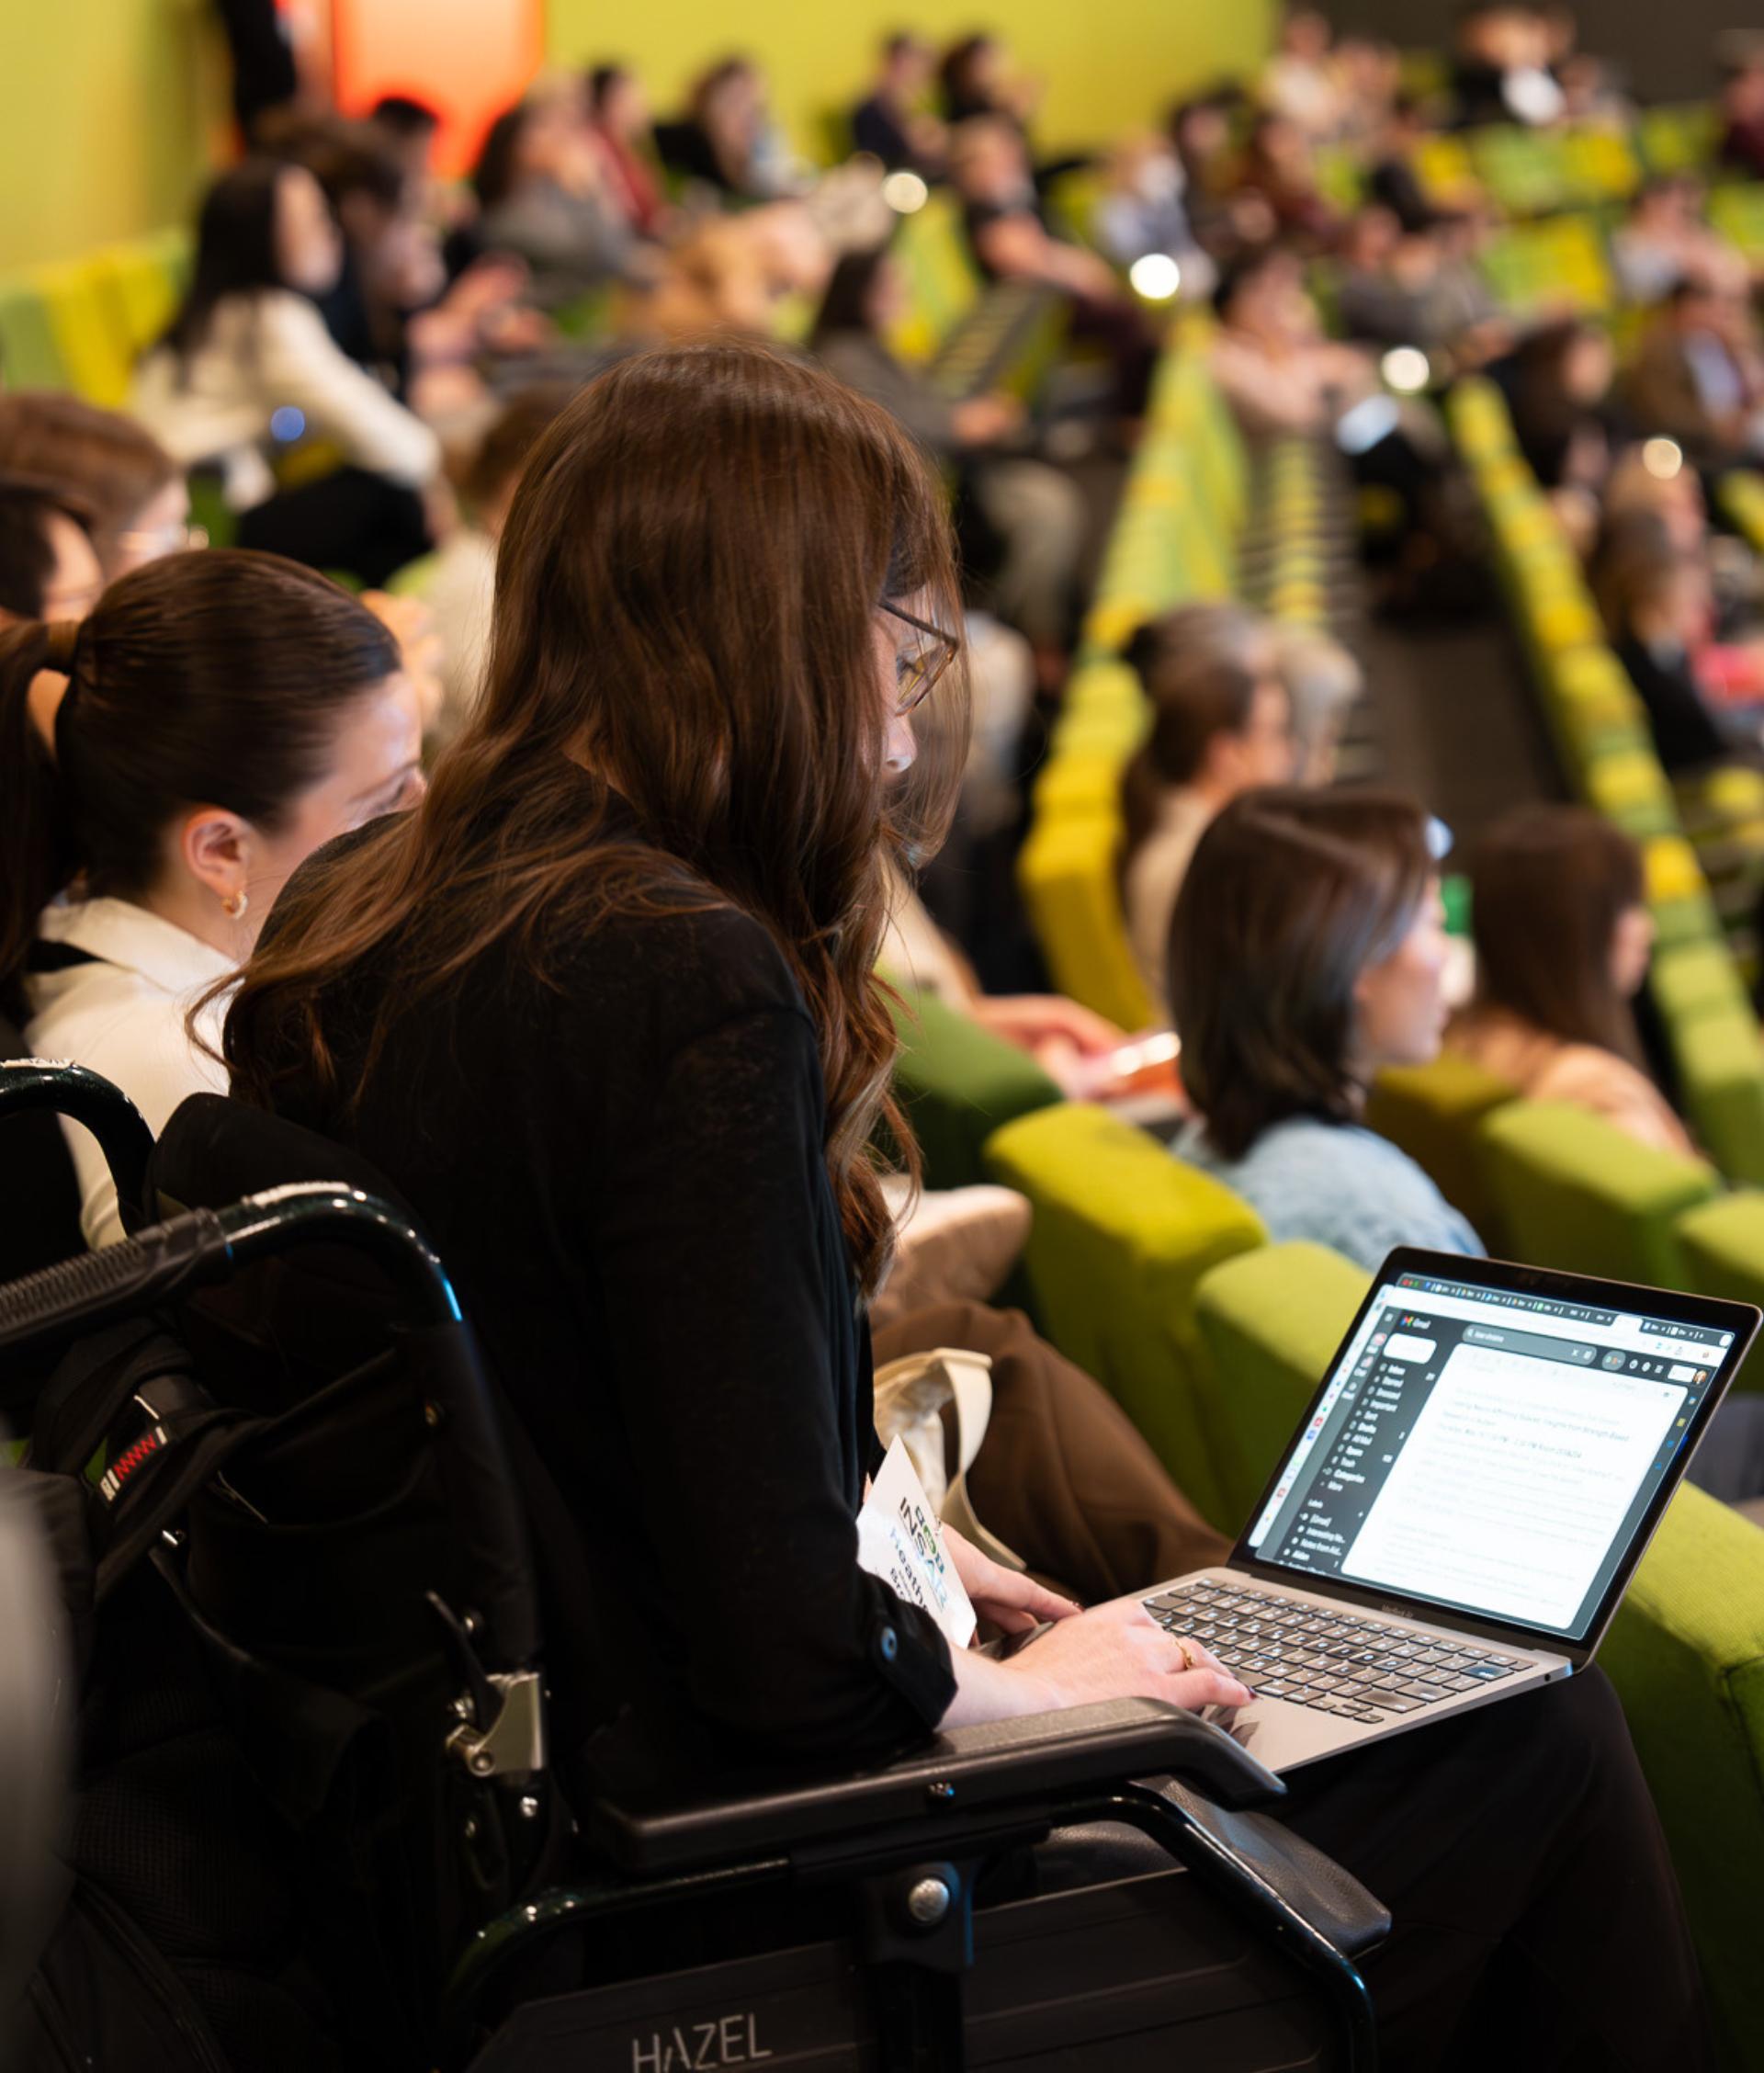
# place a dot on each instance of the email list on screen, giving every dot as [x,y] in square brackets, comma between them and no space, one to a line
[1487,1453]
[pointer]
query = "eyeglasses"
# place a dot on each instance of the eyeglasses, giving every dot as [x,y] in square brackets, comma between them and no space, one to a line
[918,669]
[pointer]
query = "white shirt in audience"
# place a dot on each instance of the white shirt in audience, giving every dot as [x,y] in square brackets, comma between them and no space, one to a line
[459,591]
[267,355]
[1154,879]
[121,1015]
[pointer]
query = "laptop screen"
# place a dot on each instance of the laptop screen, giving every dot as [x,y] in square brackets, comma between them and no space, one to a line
[1490,1449]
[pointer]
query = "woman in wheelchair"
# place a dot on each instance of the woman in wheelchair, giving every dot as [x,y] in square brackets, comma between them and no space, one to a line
[602,1010]
[225,715]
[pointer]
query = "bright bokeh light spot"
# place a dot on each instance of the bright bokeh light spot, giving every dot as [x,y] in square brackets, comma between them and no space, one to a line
[287,423]
[1406,369]
[905,193]
[1662,457]
[1157,276]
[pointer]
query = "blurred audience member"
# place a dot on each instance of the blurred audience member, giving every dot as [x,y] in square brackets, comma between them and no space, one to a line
[1563,935]
[892,122]
[1269,356]
[619,114]
[248,369]
[726,144]
[1300,83]
[542,184]
[1221,724]
[135,493]
[1659,610]
[1742,119]
[1663,241]
[1011,241]
[1557,383]
[460,584]
[48,568]
[1142,209]
[1323,683]
[1276,169]
[411,127]
[1501,71]
[1307,953]
[1699,378]
[974,80]
[1040,515]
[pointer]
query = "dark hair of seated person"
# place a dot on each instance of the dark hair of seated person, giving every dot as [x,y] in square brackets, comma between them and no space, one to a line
[845,306]
[113,466]
[496,171]
[1200,666]
[405,116]
[1548,885]
[1291,895]
[201,678]
[27,510]
[236,249]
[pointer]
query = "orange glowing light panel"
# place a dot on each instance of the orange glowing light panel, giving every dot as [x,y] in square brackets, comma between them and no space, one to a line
[468,59]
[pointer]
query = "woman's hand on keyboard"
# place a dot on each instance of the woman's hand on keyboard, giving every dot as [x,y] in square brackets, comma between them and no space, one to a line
[1119,1651]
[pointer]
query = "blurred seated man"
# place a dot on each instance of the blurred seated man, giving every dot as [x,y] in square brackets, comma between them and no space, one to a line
[1277,169]
[1301,82]
[1698,376]
[48,568]
[1144,209]
[1010,240]
[892,122]
[1663,239]
[1277,371]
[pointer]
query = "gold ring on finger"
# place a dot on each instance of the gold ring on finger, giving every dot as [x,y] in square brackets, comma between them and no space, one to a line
[1188,1655]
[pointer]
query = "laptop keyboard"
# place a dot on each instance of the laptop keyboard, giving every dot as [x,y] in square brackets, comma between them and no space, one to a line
[1322,1657]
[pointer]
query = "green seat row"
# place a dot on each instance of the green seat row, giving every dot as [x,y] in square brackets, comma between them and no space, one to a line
[1160,1282]
[82,324]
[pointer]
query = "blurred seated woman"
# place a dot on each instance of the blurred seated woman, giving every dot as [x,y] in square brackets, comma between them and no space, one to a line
[1307,953]
[1562,934]
[133,491]
[1221,724]
[725,145]
[545,186]
[1659,607]
[248,367]
[643,901]
[224,715]
[1039,514]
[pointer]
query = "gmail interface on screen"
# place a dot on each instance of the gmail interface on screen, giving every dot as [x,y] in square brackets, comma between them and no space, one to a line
[1487,1450]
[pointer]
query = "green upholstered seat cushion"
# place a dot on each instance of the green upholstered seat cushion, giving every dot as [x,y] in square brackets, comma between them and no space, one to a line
[957,1084]
[1431,1111]
[1574,1192]
[1720,1059]
[1686,1653]
[1721,1243]
[1122,1235]
[1269,1322]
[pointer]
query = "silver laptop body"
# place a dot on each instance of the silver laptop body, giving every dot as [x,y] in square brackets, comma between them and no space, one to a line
[1462,1507]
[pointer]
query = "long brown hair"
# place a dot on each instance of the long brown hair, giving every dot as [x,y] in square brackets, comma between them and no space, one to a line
[1548,885]
[1291,895]
[686,593]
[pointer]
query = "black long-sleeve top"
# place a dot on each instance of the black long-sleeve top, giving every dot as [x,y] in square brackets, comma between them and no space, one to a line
[624,1173]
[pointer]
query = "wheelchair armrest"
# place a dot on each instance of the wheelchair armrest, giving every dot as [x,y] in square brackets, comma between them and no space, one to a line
[1025,1764]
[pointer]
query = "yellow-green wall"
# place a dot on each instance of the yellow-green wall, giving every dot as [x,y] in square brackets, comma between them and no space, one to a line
[108,111]
[1106,64]
[115,108]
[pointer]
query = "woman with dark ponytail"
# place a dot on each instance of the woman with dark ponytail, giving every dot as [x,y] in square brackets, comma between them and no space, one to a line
[225,714]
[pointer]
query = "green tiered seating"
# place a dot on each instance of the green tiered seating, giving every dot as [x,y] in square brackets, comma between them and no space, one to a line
[957,1083]
[1122,1235]
[1736,211]
[1557,264]
[1606,750]
[1433,1111]
[1679,139]
[1721,1245]
[1189,498]
[81,323]
[1574,1192]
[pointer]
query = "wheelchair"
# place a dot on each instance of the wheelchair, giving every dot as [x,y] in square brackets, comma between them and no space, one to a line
[325,1811]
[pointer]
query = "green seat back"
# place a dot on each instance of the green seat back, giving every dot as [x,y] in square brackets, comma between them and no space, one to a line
[1067,871]
[1433,1111]
[1122,1235]
[1686,1653]
[1574,1192]
[1722,1244]
[30,357]
[957,1083]
[1269,1322]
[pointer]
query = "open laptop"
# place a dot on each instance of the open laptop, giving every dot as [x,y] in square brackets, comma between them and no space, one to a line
[1463,1505]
